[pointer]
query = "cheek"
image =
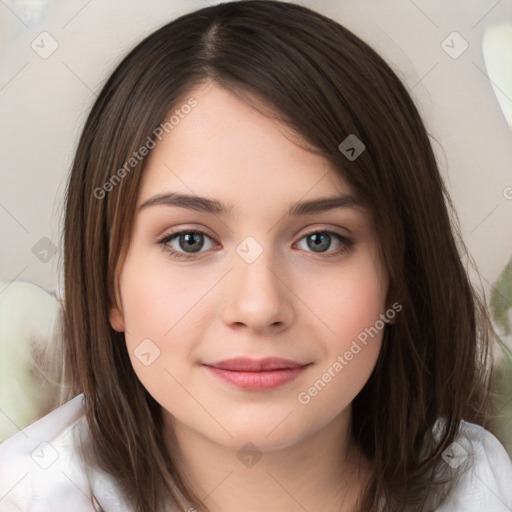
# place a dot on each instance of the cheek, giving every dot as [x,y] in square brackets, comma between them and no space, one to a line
[156,300]
[163,310]
[333,386]
[348,301]
[350,305]
[352,349]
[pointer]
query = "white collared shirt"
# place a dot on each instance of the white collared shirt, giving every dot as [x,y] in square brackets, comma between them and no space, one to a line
[41,470]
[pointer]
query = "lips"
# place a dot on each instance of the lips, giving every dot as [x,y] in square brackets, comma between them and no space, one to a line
[256,374]
[245,364]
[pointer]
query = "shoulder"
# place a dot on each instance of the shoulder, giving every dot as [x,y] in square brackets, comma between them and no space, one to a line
[38,463]
[485,472]
[41,469]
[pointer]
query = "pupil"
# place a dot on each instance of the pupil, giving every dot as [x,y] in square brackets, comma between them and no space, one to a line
[192,239]
[317,242]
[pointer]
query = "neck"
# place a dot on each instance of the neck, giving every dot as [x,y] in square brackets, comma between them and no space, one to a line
[321,471]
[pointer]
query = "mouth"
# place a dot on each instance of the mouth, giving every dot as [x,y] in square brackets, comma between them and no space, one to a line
[257,375]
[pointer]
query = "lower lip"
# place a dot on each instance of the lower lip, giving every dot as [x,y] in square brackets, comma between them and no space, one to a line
[258,381]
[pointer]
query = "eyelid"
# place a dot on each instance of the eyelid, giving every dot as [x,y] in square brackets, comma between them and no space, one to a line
[325,230]
[312,229]
[184,228]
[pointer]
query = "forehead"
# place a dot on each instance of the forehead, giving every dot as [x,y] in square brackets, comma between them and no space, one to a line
[224,147]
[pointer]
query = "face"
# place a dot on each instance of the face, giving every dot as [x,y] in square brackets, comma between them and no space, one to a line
[248,274]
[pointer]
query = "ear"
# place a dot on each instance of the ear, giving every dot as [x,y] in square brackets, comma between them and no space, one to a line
[116,319]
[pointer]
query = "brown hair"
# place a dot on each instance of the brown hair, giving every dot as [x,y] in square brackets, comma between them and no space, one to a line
[324,83]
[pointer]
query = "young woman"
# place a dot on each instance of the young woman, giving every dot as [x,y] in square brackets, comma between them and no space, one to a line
[265,305]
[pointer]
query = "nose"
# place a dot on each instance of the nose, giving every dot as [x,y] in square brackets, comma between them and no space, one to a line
[259,296]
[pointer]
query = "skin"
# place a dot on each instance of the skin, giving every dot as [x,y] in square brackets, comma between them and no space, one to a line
[291,302]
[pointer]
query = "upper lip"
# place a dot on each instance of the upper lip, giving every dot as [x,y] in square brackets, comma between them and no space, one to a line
[256,365]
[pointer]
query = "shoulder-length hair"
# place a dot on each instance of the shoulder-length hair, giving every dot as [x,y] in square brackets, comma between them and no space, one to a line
[322,81]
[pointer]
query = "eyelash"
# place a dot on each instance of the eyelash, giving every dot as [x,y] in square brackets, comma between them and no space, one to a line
[346,243]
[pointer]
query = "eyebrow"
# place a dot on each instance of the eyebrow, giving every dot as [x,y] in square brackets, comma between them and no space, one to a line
[212,206]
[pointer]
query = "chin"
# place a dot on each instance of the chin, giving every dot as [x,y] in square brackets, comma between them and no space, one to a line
[266,436]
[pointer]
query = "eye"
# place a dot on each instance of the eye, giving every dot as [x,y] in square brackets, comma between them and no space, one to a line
[319,240]
[188,243]
[185,243]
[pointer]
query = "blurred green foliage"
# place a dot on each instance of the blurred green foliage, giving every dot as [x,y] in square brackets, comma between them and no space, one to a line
[501,306]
